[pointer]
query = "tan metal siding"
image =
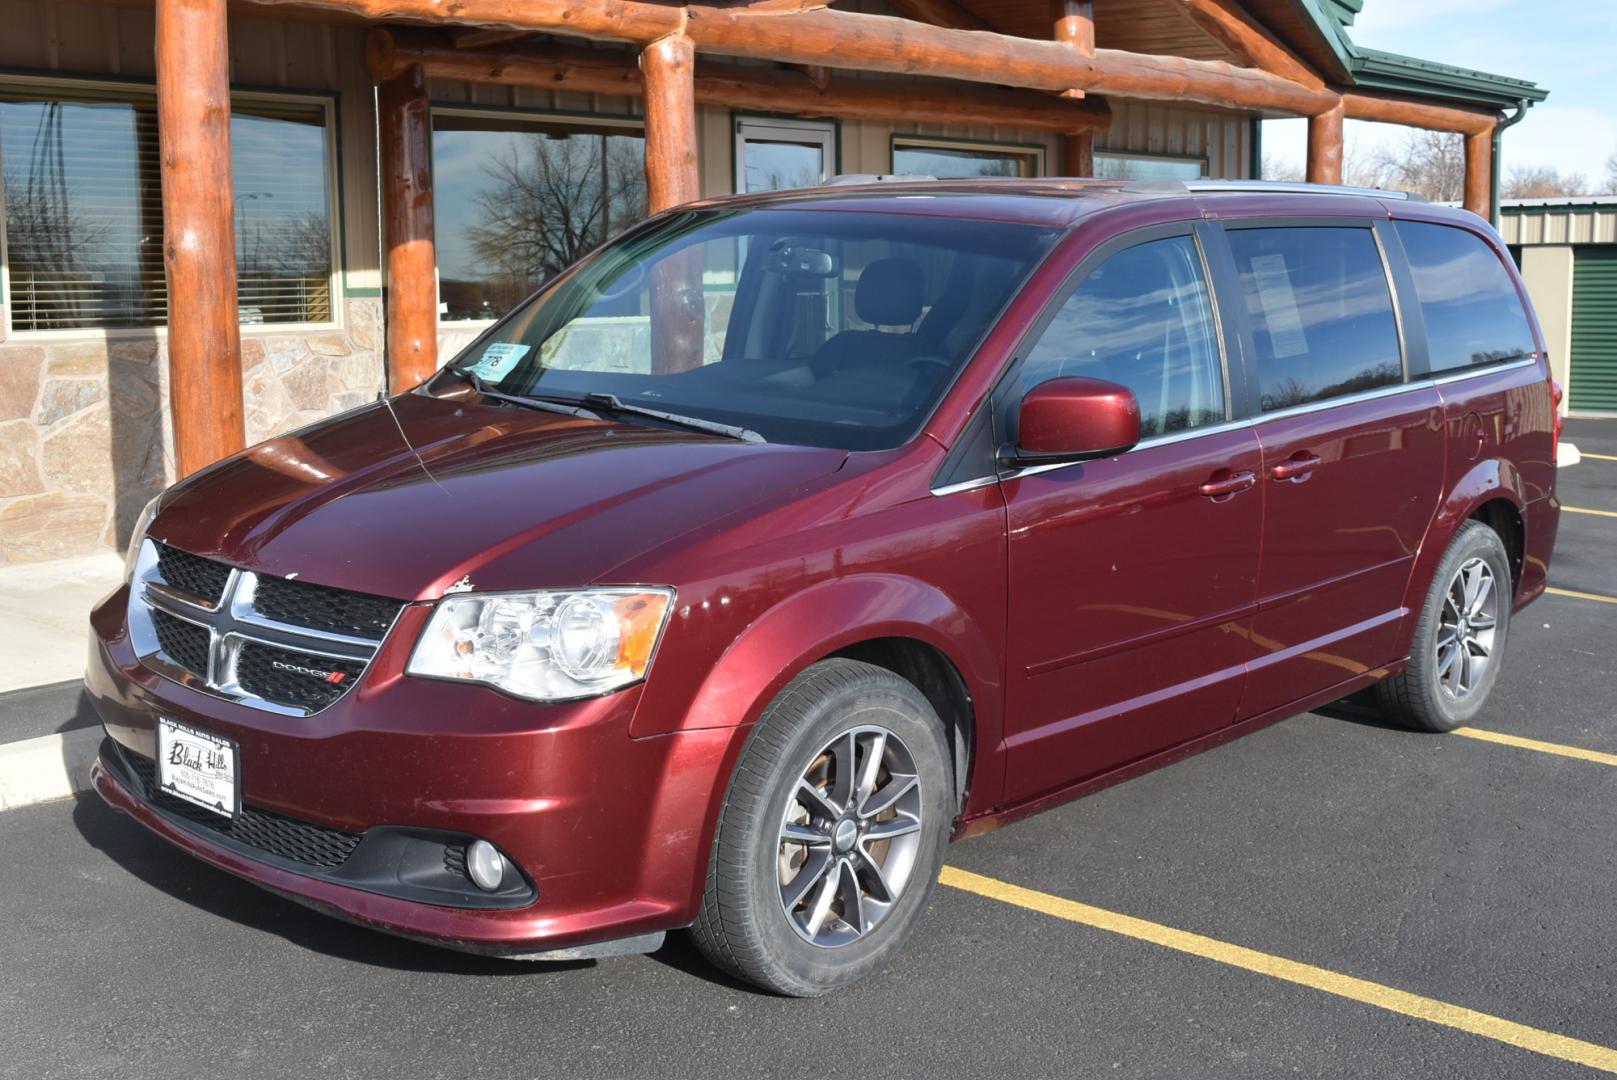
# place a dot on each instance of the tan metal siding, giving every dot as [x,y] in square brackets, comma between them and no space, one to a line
[1534,226]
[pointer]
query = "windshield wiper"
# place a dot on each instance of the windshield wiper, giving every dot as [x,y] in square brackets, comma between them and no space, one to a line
[593,404]
[611,403]
[554,405]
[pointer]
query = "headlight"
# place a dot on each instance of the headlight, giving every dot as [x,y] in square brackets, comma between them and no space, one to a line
[547,646]
[142,523]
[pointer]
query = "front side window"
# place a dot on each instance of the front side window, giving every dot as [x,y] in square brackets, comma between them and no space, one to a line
[1472,312]
[1144,319]
[84,210]
[1321,313]
[963,161]
[515,202]
[838,329]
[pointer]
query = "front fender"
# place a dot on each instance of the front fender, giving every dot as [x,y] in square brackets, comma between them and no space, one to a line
[1484,481]
[833,615]
[818,622]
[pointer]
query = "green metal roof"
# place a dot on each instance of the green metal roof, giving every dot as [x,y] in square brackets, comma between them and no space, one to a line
[1374,69]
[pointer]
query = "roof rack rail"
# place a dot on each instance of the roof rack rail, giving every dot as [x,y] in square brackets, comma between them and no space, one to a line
[1298,188]
[846,179]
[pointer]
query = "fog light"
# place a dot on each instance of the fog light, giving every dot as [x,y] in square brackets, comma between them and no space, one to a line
[484,865]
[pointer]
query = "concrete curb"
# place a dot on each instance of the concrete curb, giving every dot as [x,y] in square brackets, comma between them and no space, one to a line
[49,767]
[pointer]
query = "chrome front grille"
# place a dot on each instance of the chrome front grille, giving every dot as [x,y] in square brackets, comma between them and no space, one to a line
[280,645]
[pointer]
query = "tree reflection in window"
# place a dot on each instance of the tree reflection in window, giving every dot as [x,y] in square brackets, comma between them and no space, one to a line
[519,202]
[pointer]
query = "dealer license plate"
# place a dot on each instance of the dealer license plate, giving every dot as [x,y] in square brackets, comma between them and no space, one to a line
[198,767]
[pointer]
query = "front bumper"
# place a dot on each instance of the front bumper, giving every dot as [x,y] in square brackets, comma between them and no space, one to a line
[610,833]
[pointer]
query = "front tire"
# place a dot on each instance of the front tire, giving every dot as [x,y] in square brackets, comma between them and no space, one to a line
[832,833]
[1459,640]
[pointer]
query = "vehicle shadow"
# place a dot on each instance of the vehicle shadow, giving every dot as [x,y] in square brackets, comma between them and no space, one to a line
[173,872]
[1361,709]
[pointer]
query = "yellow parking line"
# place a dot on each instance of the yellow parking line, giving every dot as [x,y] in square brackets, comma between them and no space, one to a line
[1598,457]
[1382,997]
[1582,510]
[1576,595]
[1558,749]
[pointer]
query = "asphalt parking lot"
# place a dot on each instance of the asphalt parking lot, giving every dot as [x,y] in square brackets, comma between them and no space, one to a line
[1327,897]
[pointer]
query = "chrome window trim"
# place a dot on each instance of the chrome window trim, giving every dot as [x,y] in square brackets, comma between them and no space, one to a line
[1250,422]
[1461,374]
[232,623]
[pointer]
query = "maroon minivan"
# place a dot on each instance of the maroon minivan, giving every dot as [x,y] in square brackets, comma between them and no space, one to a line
[786,537]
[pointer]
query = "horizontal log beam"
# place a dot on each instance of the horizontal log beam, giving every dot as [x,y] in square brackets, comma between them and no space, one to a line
[600,71]
[482,37]
[1422,114]
[846,39]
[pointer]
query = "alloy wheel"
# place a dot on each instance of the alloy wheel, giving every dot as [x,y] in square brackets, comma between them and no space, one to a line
[849,837]
[1467,628]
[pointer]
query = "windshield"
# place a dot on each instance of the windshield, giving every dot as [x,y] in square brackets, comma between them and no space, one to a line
[823,328]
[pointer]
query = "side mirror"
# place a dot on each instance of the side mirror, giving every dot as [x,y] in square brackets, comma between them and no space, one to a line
[1074,419]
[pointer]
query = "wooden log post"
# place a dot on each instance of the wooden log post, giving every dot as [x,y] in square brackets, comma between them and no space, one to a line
[1325,147]
[1074,26]
[199,240]
[1479,173]
[669,69]
[404,125]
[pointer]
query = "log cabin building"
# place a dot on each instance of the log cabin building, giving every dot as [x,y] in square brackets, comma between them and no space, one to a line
[226,220]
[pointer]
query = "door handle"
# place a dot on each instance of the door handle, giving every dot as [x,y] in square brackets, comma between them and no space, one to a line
[1297,467]
[1232,484]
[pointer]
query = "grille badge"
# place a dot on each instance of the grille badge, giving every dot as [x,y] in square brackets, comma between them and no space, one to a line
[236,622]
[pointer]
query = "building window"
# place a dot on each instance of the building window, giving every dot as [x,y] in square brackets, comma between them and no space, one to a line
[83,234]
[1118,165]
[772,155]
[517,200]
[950,160]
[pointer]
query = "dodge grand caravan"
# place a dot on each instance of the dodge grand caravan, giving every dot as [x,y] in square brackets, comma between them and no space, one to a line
[786,537]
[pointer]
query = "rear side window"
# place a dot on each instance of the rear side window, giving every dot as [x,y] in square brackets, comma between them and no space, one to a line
[1142,318]
[1472,312]
[1321,313]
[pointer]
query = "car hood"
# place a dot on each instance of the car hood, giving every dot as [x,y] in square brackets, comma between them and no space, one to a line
[409,497]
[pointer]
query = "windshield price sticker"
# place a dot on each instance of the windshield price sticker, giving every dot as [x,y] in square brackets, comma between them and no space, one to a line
[498,361]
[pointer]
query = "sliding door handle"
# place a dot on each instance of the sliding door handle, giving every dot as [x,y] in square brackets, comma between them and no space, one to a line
[1297,467]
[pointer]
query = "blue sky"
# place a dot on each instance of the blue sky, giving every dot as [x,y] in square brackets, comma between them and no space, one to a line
[1566,46]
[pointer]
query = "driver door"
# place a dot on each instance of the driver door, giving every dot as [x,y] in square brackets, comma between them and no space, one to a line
[1133,578]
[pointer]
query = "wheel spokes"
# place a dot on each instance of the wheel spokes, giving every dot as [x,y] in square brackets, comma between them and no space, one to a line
[812,871]
[850,836]
[816,802]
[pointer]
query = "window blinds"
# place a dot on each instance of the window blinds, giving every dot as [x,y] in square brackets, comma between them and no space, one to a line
[84,218]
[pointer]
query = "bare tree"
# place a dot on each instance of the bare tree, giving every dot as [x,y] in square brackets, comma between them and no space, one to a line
[1274,168]
[1428,163]
[1542,182]
[552,200]
[1611,175]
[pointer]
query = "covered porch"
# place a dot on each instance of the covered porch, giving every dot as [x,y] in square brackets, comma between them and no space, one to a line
[672,102]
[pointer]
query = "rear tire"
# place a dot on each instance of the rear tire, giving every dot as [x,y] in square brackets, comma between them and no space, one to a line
[832,832]
[1459,640]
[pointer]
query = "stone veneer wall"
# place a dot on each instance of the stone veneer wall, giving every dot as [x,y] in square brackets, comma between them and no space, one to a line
[85,434]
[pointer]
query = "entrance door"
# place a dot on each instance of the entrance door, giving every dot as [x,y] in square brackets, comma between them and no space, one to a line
[775,154]
[1132,577]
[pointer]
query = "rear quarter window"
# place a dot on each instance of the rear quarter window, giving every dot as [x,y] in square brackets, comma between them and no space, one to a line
[1321,313]
[1468,301]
